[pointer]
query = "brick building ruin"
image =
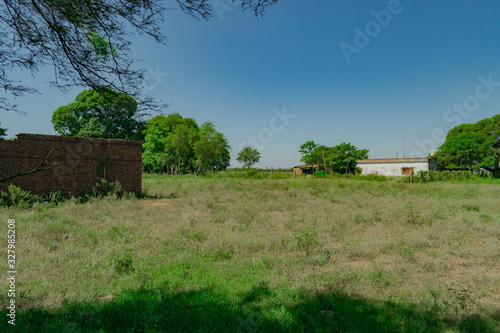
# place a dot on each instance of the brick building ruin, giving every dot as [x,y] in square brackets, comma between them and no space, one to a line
[70,165]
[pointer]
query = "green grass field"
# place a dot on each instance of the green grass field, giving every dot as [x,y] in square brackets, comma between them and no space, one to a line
[261,255]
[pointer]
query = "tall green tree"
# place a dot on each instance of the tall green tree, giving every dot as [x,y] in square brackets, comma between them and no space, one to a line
[473,146]
[3,132]
[87,42]
[179,147]
[309,153]
[248,156]
[107,114]
[342,158]
[212,150]
[160,151]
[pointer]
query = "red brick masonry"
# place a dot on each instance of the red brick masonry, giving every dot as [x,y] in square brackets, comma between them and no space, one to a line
[75,162]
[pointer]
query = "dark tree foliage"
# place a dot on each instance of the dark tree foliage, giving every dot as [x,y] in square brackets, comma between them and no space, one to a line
[248,157]
[309,153]
[473,146]
[170,140]
[107,114]
[342,158]
[87,42]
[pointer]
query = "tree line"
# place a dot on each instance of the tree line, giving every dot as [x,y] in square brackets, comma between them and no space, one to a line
[167,140]
[467,147]
[192,148]
[339,159]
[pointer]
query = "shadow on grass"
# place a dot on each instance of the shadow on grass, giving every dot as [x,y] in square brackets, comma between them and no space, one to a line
[205,310]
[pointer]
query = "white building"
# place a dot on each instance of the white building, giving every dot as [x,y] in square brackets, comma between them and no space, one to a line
[397,166]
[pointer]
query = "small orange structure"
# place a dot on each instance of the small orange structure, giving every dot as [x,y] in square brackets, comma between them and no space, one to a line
[297,170]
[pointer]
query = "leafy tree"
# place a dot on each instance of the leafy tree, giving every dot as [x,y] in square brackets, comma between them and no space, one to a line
[342,158]
[3,132]
[86,41]
[212,150]
[223,159]
[107,114]
[473,146]
[159,150]
[248,156]
[179,147]
[309,153]
[320,152]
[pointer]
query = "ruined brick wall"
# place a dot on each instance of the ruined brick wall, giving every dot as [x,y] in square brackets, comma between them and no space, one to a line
[76,161]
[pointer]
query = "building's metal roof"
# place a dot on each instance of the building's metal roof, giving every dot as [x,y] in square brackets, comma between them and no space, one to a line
[395,160]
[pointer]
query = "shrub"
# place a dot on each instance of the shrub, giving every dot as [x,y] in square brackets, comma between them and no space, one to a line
[252,172]
[320,174]
[16,197]
[308,240]
[122,262]
[374,177]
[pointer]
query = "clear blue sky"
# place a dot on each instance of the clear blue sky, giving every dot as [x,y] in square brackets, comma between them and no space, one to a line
[422,58]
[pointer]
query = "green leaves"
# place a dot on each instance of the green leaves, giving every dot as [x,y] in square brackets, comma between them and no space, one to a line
[212,150]
[101,46]
[309,153]
[3,132]
[473,146]
[342,158]
[248,156]
[177,140]
[70,35]
[103,114]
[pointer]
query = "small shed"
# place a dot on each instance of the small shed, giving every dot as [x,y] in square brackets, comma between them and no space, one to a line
[396,166]
[298,170]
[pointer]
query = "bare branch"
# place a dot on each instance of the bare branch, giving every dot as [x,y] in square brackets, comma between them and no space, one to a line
[44,165]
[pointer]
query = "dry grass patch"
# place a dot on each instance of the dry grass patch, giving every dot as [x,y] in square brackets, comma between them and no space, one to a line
[282,244]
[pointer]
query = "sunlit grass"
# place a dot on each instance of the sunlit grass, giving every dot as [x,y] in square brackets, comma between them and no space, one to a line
[222,254]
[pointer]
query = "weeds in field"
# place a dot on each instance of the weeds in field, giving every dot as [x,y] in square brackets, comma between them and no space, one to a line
[282,257]
[413,215]
[18,198]
[405,249]
[307,240]
[223,252]
[471,208]
[122,262]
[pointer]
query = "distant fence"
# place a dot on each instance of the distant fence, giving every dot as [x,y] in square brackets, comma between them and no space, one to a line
[422,177]
[429,176]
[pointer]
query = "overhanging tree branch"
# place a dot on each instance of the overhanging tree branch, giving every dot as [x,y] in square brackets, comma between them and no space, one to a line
[63,34]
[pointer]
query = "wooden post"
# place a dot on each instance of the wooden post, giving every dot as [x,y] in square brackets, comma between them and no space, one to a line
[272,171]
[294,174]
[411,177]
[266,171]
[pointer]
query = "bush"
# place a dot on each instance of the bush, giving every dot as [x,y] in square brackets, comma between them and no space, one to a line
[18,198]
[252,173]
[320,174]
[450,175]
[122,262]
